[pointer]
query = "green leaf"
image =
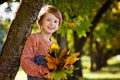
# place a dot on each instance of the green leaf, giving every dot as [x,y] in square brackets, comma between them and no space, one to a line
[62,74]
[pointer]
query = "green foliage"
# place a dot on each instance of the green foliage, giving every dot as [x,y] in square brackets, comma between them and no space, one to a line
[75,7]
[63,30]
[82,27]
[75,11]
[108,31]
[35,28]
[58,75]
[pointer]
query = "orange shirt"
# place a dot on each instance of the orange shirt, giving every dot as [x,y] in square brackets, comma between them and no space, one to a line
[35,45]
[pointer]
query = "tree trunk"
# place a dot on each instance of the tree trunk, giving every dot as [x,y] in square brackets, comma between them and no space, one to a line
[101,58]
[91,52]
[77,73]
[19,30]
[62,41]
[81,41]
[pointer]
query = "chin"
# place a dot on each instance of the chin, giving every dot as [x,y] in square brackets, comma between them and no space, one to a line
[51,32]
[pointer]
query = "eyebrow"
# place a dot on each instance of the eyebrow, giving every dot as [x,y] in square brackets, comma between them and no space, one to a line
[52,18]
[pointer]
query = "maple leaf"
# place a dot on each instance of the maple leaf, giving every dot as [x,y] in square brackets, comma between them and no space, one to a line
[52,62]
[71,60]
[60,62]
[63,53]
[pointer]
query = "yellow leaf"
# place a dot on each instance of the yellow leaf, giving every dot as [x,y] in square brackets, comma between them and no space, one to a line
[71,24]
[55,48]
[71,59]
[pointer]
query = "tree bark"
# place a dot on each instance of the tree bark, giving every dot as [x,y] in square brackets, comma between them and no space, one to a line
[19,30]
[62,41]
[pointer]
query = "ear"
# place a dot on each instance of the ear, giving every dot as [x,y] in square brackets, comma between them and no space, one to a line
[39,22]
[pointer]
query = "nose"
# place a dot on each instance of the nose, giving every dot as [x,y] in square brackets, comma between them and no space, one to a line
[52,22]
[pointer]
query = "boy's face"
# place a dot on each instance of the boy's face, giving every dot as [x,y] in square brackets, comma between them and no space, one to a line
[49,23]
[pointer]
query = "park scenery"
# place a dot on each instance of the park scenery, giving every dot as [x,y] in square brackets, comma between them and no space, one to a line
[87,43]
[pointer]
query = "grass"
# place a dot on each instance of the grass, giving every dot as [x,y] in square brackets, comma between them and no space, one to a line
[110,72]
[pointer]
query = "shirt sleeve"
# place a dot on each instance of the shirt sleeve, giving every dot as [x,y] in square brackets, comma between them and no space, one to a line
[27,58]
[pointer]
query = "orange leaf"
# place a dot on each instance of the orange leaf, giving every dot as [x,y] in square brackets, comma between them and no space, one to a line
[71,59]
[64,53]
[52,62]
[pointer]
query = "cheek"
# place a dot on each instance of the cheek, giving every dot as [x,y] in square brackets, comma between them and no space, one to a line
[57,25]
[57,28]
[42,24]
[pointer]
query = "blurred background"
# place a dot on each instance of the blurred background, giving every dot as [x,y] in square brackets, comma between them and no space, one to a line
[91,27]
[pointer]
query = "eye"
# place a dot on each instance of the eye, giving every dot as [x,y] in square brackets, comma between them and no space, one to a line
[55,21]
[48,19]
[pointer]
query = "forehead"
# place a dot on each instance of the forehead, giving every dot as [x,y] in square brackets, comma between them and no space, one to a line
[49,15]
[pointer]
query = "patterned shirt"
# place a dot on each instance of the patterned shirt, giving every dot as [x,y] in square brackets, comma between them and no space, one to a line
[35,45]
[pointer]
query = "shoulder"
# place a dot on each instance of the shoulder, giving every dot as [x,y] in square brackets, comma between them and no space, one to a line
[32,38]
[33,35]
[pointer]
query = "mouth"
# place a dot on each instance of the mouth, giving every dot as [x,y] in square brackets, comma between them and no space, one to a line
[51,27]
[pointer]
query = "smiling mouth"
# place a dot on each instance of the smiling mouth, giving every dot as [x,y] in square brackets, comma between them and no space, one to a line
[51,28]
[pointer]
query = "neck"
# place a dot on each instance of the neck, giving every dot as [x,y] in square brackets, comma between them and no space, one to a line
[45,36]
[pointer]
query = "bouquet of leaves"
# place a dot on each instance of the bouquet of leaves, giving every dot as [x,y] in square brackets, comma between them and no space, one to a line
[60,62]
